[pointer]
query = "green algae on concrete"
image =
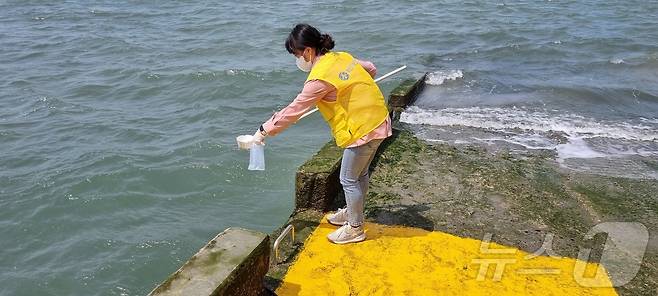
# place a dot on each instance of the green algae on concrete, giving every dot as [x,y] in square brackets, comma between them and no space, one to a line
[406,92]
[316,181]
[517,198]
[233,263]
[404,95]
[325,160]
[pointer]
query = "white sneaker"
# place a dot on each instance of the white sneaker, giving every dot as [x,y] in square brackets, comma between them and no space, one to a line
[339,218]
[347,234]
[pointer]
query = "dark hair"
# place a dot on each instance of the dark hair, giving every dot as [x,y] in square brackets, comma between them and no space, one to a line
[305,35]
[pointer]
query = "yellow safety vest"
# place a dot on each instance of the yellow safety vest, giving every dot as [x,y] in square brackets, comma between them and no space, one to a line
[359,107]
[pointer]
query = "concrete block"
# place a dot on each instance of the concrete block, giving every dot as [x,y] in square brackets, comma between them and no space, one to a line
[316,182]
[405,94]
[233,263]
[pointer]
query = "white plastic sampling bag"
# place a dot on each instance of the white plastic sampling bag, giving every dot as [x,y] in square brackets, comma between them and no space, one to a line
[257,157]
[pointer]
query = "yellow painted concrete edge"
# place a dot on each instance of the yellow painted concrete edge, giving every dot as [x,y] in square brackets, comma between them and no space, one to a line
[398,260]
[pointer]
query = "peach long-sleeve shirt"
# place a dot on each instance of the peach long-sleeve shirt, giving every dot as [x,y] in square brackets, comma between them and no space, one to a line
[313,91]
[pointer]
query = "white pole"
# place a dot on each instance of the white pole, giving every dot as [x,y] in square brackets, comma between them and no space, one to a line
[389,74]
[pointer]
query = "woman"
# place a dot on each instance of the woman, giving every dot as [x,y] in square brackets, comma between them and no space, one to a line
[344,91]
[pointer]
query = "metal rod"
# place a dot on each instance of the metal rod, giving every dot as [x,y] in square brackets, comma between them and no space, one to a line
[389,74]
[289,229]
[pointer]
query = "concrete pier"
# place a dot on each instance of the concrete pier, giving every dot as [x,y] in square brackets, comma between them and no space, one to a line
[233,263]
[439,220]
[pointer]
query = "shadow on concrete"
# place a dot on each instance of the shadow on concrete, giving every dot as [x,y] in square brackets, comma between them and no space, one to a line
[401,215]
[375,230]
[291,289]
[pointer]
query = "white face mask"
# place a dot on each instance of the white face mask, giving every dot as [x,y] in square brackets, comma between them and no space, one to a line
[303,65]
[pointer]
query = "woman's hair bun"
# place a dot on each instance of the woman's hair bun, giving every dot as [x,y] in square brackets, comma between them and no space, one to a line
[305,35]
[326,42]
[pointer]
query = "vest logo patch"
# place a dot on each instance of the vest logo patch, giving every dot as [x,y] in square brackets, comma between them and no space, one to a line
[343,75]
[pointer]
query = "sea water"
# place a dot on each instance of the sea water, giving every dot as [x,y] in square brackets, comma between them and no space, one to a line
[118,119]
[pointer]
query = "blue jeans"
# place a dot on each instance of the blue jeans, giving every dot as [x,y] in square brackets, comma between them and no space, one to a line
[354,178]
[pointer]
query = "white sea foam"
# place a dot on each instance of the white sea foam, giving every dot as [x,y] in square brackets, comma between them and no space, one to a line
[439,77]
[586,138]
[616,61]
[528,141]
[515,118]
[576,147]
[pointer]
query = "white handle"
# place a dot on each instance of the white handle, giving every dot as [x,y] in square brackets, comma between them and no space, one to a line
[280,238]
[389,74]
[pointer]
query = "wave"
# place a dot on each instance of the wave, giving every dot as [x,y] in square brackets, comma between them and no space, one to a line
[616,61]
[503,119]
[439,77]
